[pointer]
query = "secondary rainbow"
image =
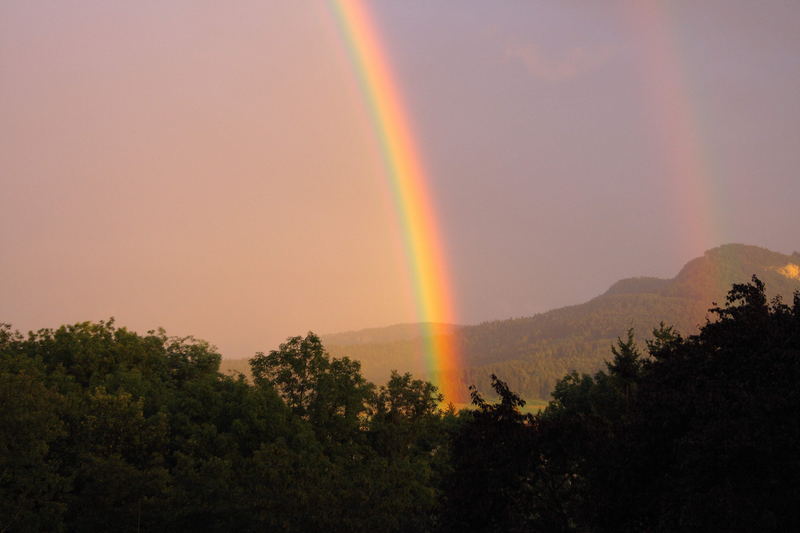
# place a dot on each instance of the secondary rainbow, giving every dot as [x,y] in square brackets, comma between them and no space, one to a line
[412,198]
[676,126]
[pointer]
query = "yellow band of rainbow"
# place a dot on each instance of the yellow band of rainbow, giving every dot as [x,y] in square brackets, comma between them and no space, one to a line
[408,184]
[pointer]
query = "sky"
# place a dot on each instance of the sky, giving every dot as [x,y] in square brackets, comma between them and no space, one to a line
[214,169]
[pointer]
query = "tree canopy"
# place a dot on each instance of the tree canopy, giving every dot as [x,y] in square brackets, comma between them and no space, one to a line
[699,434]
[103,428]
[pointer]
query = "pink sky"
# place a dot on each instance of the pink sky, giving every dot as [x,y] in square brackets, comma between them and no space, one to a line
[214,170]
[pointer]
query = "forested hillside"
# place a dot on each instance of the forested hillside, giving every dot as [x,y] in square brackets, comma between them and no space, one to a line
[532,353]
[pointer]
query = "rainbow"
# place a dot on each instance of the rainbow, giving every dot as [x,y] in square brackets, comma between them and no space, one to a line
[407,179]
[675,125]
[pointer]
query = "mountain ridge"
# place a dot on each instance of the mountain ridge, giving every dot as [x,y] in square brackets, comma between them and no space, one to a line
[532,353]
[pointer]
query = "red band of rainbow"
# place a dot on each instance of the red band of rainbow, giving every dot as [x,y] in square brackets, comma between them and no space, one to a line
[675,127]
[407,180]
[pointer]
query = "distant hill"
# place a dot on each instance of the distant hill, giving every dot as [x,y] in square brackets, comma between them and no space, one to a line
[532,353]
[388,334]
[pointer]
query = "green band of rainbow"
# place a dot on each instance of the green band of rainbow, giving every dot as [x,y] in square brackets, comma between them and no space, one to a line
[409,189]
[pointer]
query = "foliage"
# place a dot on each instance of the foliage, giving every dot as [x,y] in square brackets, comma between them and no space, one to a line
[702,434]
[102,428]
[484,490]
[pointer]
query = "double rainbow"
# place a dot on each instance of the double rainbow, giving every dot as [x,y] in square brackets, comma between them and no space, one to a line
[407,180]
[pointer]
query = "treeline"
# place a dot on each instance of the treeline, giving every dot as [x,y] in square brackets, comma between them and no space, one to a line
[102,429]
[699,434]
[105,429]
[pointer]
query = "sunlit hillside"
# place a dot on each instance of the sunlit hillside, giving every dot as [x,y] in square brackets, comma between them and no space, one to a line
[532,353]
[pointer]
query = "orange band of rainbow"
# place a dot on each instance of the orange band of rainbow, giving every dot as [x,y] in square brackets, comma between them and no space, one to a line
[409,190]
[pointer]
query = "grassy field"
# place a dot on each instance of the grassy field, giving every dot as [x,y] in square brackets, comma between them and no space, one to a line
[531,406]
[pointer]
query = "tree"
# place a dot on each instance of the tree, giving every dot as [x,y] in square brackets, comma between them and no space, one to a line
[701,435]
[294,370]
[30,481]
[330,393]
[492,463]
